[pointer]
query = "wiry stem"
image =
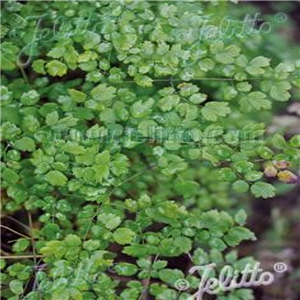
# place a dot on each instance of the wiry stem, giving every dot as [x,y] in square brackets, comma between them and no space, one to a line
[19,256]
[16,232]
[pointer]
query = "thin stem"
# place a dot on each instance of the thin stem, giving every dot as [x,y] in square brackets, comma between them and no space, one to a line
[195,79]
[16,232]
[18,222]
[32,239]
[19,256]
[23,73]
[5,253]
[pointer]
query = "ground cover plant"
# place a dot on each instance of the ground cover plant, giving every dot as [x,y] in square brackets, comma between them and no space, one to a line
[135,136]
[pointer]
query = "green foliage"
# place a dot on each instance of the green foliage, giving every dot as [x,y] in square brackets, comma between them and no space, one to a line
[56,68]
[263,189]
[131,141]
